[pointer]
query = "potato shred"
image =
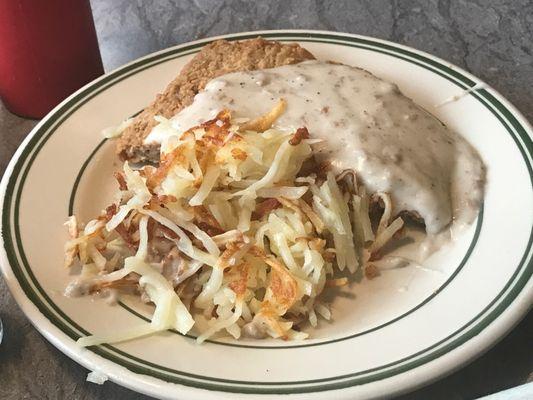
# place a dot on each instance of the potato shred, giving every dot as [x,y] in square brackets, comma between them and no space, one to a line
[226,236]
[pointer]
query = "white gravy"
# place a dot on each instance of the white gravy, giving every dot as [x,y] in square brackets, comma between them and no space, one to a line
[366,124]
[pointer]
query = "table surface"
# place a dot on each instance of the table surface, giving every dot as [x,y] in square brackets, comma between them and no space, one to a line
[492,39]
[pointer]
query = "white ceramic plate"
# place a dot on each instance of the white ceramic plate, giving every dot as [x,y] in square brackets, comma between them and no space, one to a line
[394,333]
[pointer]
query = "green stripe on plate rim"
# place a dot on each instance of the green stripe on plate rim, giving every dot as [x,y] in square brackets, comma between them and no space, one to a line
[131,310]
[27,282]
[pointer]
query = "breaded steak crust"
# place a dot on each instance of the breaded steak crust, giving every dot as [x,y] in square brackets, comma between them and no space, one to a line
[217,58]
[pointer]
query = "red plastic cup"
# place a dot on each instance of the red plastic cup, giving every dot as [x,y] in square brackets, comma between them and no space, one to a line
[48,50]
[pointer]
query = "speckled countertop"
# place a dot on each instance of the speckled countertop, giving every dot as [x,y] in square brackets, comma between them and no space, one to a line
[492,39]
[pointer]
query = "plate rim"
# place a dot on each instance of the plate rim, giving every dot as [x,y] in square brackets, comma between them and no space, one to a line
[22,299]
